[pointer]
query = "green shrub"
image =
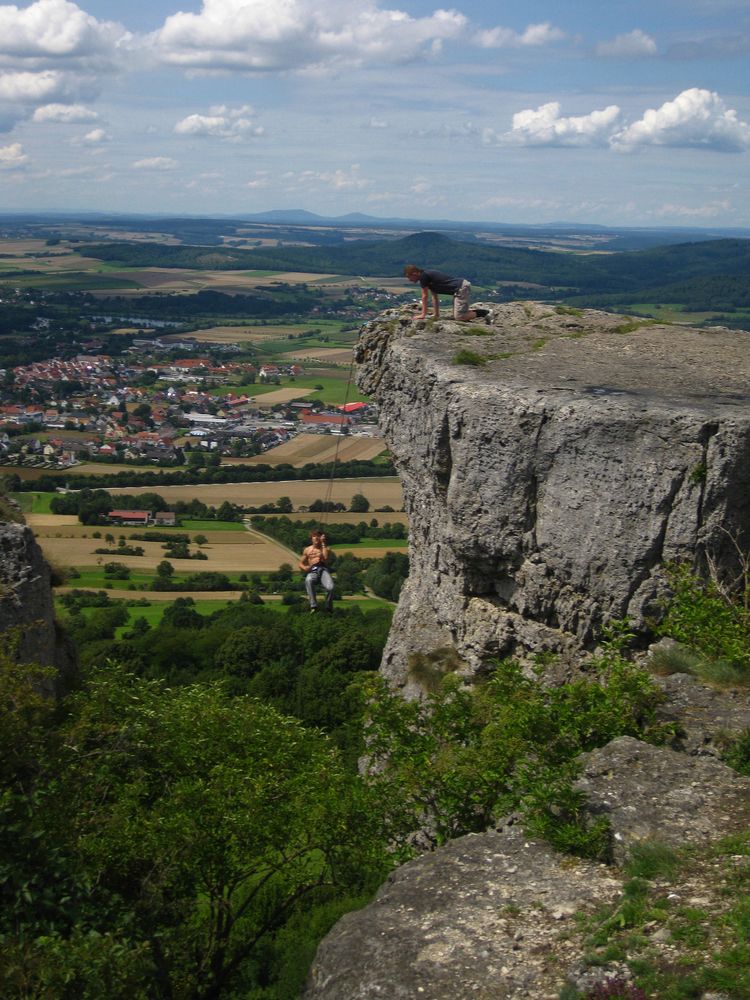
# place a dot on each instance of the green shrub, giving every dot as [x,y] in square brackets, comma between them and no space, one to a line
[464,757]
[466,357]
[710,625]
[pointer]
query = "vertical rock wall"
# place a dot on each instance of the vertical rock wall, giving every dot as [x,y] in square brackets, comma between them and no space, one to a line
[547,485]
[27,620]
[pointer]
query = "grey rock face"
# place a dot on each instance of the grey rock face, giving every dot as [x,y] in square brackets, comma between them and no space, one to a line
[480,918]
[26,604]
[488,915]
[652,793]
[546,487]
[706,716]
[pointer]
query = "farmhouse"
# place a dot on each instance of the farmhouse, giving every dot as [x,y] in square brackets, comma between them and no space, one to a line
[136,518]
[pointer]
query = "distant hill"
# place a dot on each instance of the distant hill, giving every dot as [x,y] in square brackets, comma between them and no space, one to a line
[481,263]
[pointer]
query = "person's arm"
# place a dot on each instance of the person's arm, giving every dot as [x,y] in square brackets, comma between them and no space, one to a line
[436,305]
[304,563]
[324,551]
[423,314]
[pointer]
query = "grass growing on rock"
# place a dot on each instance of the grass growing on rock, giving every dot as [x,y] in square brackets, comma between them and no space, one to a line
[471,358]
[681,926]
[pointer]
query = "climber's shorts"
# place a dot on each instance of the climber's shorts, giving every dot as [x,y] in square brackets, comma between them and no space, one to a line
[461,300]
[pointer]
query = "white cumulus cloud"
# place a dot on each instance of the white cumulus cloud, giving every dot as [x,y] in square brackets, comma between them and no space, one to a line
[506,38]
[635,43]
[222,123]
[155,163]
[545,126]
[57,30]
[41,87]
[95,137]
[67,114]
[265,35]
[12,157]
[694,119]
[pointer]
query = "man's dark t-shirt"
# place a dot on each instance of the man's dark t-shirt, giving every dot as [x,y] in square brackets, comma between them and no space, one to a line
[441,284]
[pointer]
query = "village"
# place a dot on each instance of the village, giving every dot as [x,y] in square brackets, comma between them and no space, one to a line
[58,413]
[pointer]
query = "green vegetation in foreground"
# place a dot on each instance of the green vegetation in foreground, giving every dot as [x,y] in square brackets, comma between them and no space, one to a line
[713,632]
[709,937]
[461,759]
[217,752]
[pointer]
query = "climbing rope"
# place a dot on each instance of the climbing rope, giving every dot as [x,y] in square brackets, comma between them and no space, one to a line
[329,491]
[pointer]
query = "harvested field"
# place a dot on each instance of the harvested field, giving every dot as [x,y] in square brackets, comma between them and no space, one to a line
[240,551]
[318,448]
[282,396]
[20,247]
[333,355]
[84,469]
[234,334]
[369,553]
[381,492]
[58,521]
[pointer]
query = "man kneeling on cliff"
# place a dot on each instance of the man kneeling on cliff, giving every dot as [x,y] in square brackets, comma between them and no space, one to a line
[439,283]
[314,564]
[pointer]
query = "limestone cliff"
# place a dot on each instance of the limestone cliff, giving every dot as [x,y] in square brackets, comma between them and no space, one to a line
[549,478]
[27,619]
[546,481]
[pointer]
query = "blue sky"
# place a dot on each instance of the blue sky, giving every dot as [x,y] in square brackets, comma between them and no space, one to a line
[615,113]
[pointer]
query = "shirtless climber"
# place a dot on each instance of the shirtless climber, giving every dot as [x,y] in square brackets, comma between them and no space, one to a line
[314,564]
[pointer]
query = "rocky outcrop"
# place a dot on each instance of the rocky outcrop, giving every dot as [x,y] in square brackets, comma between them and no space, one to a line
[653,793]
[27,619]
[489,915]
[551,462]
[480,918]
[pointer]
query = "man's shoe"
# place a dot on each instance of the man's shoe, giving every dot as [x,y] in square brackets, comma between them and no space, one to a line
[313,610]
[481,313]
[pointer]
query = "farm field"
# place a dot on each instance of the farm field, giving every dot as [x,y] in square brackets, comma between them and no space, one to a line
[181,280]
[381,492]
[280,395]
[316,448]
[84,469]
[257,332]
[335,388]
[228,551]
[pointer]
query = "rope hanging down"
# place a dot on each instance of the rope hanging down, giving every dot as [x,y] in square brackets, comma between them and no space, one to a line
[329,491]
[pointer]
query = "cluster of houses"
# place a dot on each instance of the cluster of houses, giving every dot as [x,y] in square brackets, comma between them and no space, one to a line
[92,410]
